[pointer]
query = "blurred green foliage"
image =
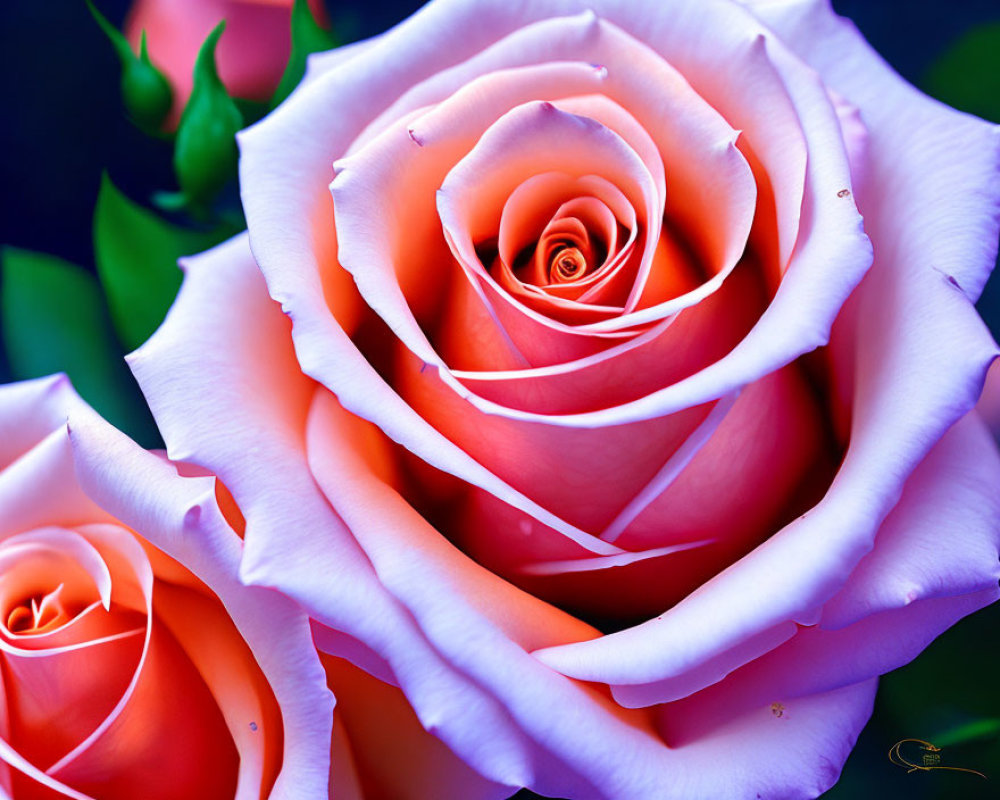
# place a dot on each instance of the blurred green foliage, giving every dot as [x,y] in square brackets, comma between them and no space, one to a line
[55,320]
[967,74]
[136,253]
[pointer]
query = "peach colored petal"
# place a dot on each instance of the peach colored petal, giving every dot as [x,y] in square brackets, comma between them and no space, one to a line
[653,92]
[122,554]
[553,462]
[346,471]
[660,356]
[155,735]
[41,559]
[773,454]
[223,660]
[355,602]
[580,201]
[180,516]
[392,753]
[58,696]
[529,140]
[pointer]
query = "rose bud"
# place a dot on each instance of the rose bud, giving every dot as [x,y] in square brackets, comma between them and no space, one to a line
[251,54]
[603,375]
[146,92]
[135,663]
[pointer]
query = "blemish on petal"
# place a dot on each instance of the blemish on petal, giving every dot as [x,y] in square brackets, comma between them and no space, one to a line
[844,193]
[414,138]
[253,726]
[778,710]
[950,278]
[601,70]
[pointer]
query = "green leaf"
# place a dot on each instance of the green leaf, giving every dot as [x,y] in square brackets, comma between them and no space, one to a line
[54,320]
[205,155]
[307,37]
[146,91]
[136,253]
[967,74]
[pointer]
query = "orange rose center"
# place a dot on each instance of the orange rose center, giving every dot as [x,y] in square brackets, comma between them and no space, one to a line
[38,614]
[567,265]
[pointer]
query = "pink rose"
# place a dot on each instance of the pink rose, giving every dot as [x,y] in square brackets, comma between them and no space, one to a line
[135,663]
[591,423]
[252,52]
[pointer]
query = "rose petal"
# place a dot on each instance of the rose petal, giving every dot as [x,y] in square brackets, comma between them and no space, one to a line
[712,140]
[890,436]
[384,522]
[175,513]
[569,722]
[943,199]
[302,552]
[326,60]
[63,685]
[40,489]
[734,755]
[988,406]
[662,355]
[941,539]
[528,140]
[812,661]
[382,730]
[52,556]
[906,565]
[33,409]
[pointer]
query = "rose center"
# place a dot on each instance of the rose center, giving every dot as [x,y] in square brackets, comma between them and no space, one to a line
[568,264]
[38,613]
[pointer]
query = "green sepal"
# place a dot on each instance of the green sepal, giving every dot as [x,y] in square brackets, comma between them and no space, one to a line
[308,36]
[205,154]
[136,253]
[146,91]
[967,74]
[54,320]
